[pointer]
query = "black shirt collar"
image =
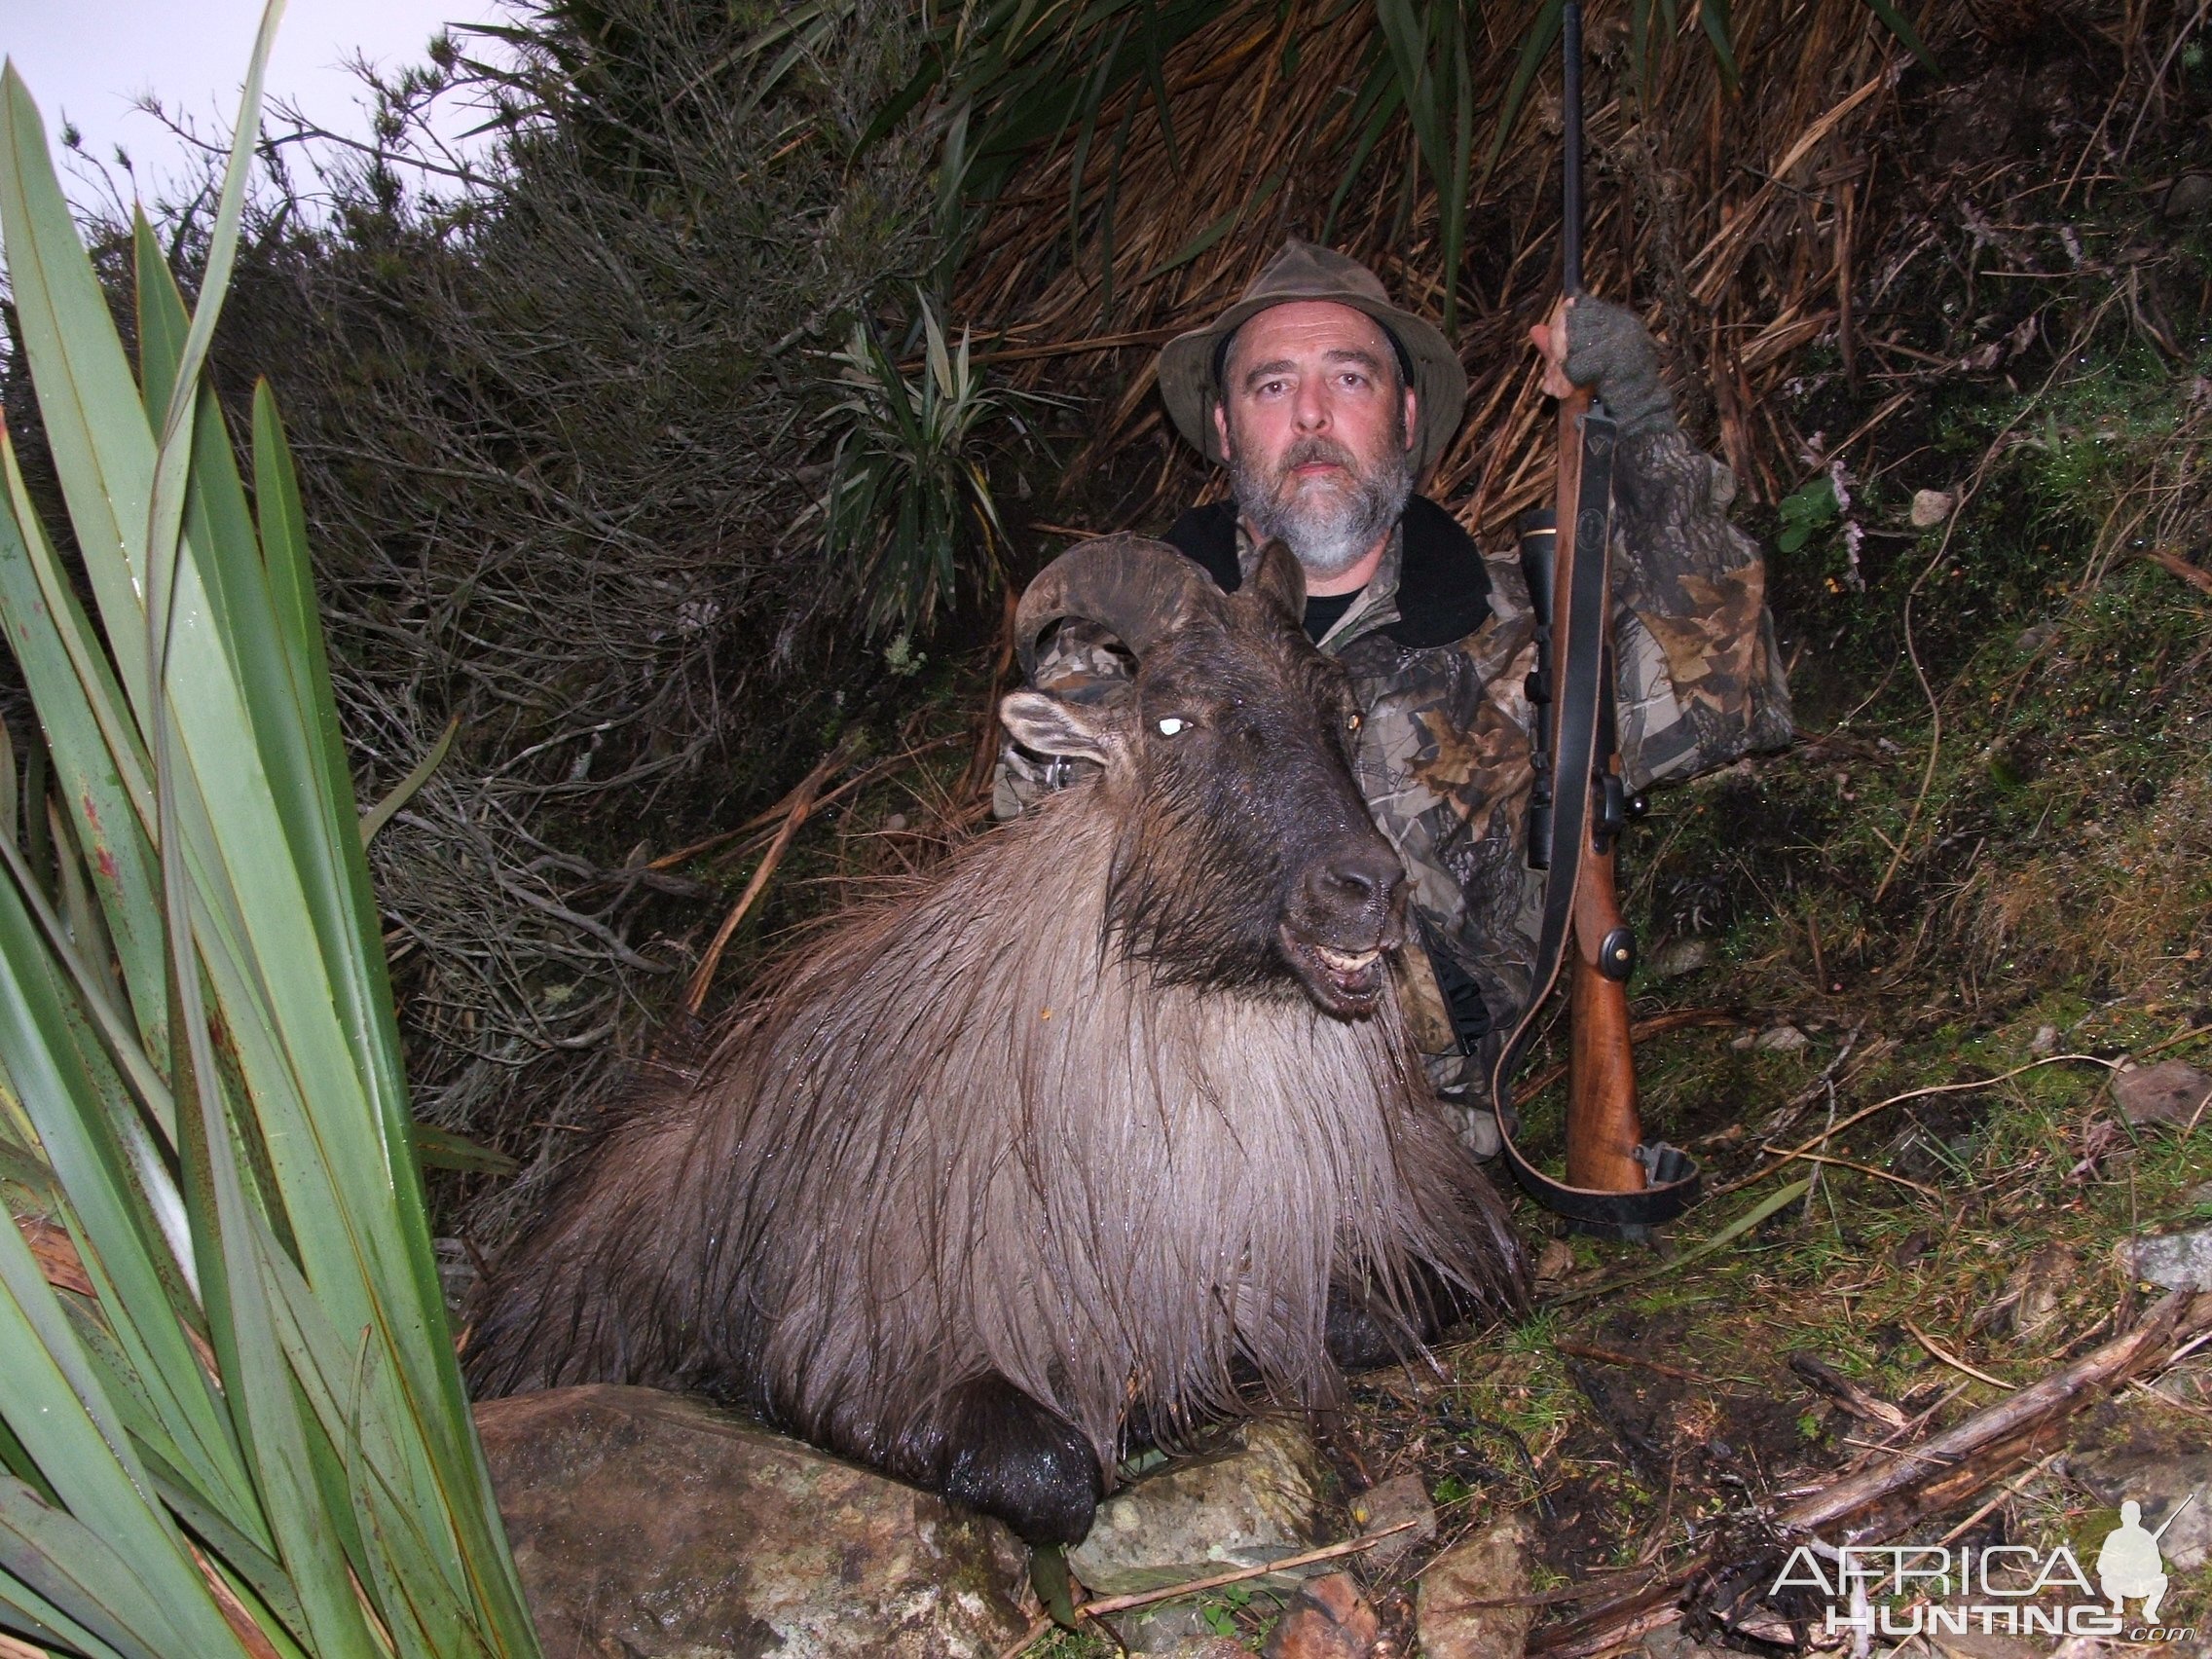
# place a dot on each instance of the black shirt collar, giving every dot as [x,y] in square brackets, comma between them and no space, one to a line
[1442,585]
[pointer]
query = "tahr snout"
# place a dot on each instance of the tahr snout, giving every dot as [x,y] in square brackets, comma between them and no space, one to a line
[1347,914]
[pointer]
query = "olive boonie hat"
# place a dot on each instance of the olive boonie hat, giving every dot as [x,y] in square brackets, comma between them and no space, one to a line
[1303,271]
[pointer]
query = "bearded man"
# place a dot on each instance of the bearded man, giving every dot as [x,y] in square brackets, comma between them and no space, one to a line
[1327,403]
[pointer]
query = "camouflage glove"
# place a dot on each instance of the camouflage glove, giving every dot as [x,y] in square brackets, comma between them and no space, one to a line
[1608,345]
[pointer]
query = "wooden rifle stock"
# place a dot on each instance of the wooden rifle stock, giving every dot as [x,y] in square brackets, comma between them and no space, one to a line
[1602,1126]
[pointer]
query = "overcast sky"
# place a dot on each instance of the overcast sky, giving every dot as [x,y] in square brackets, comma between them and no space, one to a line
[89,60]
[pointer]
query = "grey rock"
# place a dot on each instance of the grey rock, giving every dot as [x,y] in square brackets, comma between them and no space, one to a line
[1245,1506]
[1490,1567]
[1392,1503]
[2189,197]
[1672,1641]
[1676,957]
[1166,1627]
[2033,1292]
[1782,1040]
[649,1526]
[2175,1261]
[2170,1093]
[2130,1452]
[1554,1262]
[1931,507]
[1176,1630]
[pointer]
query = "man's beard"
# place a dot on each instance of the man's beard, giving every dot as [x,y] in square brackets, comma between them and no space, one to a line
[1327,527]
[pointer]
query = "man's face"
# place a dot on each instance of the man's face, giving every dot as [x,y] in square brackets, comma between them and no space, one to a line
[1316,426]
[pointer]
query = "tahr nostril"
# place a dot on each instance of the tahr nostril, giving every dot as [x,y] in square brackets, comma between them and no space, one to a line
[1363,877]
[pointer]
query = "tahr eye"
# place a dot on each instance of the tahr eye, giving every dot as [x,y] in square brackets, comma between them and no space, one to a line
[1170,727]
[1352,723]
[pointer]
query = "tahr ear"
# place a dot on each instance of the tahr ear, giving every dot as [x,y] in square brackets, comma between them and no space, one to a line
[1281,580]
[1090,730]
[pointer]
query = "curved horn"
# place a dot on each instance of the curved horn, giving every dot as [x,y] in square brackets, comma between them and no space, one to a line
[1140,589]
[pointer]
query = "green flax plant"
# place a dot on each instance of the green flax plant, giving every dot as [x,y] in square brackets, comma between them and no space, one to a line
[231,1421]
[908,495]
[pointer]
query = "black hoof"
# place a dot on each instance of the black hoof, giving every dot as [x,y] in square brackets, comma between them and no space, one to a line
[1362,1332]
[1361,1336]
[1007,1455]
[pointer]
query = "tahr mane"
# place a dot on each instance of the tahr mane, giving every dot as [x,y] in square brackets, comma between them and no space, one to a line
[1005,1081]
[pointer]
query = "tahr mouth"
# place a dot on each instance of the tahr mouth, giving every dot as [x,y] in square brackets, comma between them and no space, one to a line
[1348,983]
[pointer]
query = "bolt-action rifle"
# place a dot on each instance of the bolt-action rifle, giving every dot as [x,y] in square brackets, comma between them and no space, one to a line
[1616,1183]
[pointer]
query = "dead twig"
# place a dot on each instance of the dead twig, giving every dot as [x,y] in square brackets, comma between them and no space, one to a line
[1582,1591]
[1894,1100]
[2194,575]
[1848,1164]
[2012,1489]
[782,809]
[2029,1411]
[1613,1356]
[1954,1361]
[1607,1625]
[1920,1481]
[1145,1598]
[2174,1042]
[1868,1408]
[801,805]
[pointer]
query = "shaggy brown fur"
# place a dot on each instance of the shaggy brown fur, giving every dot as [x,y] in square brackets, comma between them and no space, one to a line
[975,1139]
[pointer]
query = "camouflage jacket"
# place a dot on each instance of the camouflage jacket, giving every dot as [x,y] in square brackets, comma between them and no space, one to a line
[1438,647]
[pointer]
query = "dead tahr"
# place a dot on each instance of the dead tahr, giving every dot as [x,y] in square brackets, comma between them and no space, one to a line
[1116,1111]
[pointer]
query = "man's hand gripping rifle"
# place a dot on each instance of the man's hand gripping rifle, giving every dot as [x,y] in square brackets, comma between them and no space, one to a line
[1616,1183]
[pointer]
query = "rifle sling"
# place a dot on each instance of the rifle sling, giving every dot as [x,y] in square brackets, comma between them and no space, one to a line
[1580,700]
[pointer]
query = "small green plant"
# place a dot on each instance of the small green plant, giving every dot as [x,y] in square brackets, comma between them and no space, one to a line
[901,658]
[1804,512]
[909,506]
[1220,1614]
[231,1421]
